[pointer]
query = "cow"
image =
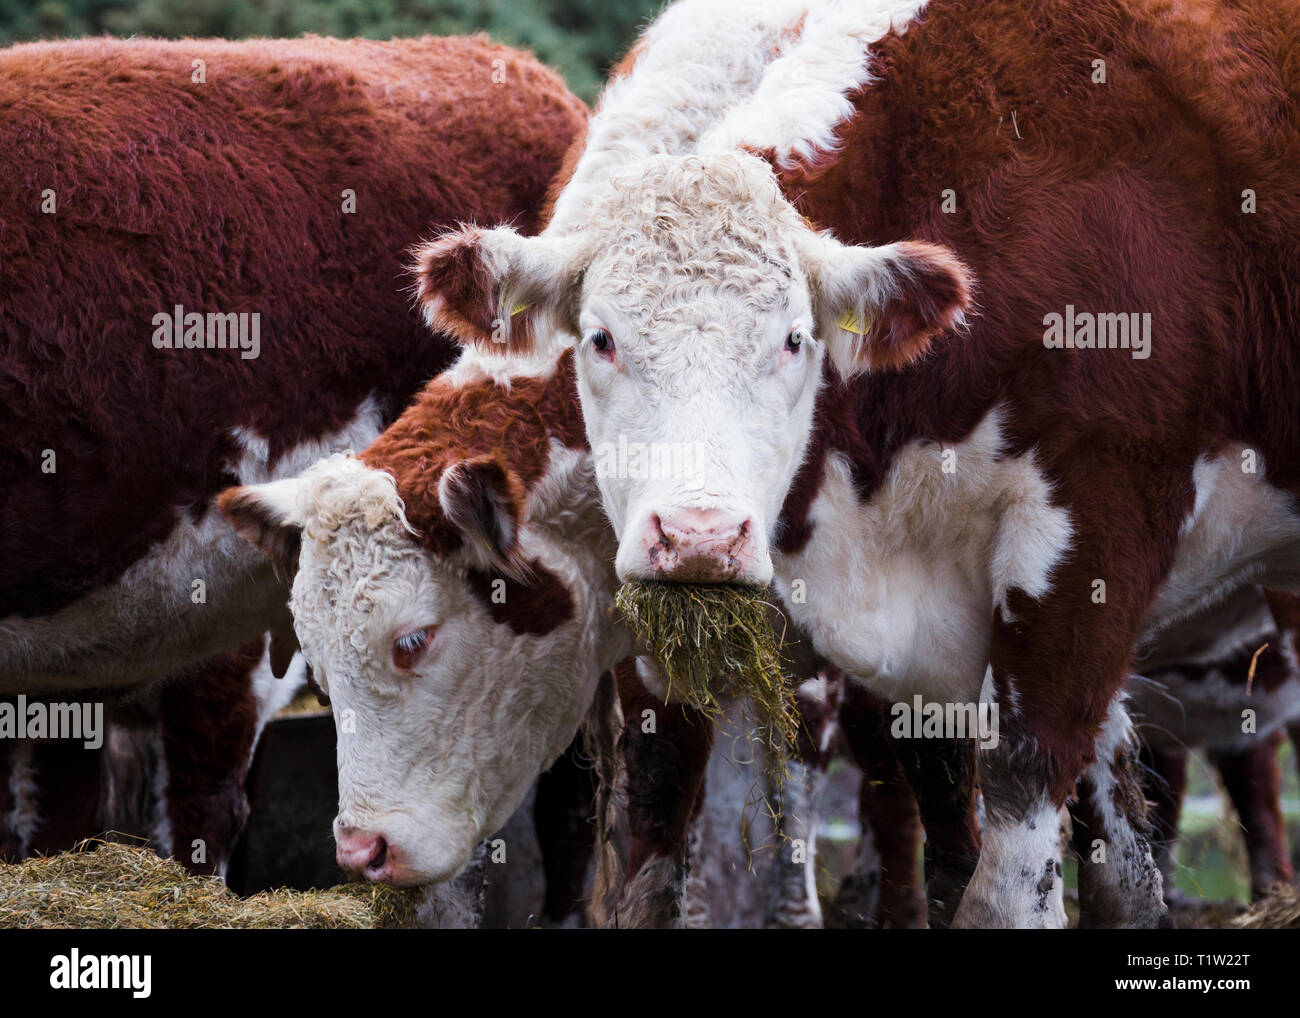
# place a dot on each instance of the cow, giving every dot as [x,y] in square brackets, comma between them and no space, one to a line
[1226,681]
[202,259]
[976,319]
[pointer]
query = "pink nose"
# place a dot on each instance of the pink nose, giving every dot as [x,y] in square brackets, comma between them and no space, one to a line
[363,853]
[699,545]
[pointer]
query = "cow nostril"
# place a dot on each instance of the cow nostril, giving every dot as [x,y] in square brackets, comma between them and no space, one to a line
[379,856]
[657,527]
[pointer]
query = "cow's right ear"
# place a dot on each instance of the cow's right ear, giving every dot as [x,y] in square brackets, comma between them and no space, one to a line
[266,516]
[499,290]
[484,500]
[879,308]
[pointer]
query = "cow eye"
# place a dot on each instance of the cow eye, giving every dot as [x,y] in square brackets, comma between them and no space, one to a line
[408,649]
[602,342]
[794,341]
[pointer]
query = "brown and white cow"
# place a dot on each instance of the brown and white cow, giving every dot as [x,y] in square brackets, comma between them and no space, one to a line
[201,263]
[451,590]
[866,292]
[164,775]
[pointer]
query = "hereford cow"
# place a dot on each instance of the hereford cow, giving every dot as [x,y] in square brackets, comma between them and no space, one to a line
[976,319]
[201,257]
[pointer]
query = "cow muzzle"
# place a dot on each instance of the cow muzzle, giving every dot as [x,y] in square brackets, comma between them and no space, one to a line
[368,854]
[702,546]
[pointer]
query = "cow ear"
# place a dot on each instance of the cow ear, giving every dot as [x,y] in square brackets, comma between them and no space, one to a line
[484,500]
[498,290]
[880,307]
[266,516]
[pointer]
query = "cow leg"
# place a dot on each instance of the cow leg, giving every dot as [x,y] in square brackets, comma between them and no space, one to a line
[697,911]
[1018,880]
[68,782]
[209,723]
[792,901]
[1165,782]
[857,904]
[882,889]
[1061,647]
[566,836]
[49,797]
[941,773]
[18,815]
[1254,783]
[1117,885]
[665,752]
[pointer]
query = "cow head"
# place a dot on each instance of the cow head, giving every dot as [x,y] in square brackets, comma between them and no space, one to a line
[705,307]
[455,610]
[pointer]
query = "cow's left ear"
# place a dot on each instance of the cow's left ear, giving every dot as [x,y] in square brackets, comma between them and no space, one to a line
[499,290]
[266,516]
[484,500]
[879,307]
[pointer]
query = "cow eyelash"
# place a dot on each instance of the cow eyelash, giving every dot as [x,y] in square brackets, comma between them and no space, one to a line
[408,649]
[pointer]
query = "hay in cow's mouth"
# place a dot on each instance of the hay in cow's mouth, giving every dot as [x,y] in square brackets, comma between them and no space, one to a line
[105,885]
[714,643]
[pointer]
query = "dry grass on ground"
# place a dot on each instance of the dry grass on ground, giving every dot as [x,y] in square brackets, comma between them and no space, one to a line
[104,885]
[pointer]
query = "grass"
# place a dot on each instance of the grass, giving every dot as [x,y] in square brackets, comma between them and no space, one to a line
[715,643]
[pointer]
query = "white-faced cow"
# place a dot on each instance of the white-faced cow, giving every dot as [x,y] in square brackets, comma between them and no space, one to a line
[201,257]
[977,319]
[451,590]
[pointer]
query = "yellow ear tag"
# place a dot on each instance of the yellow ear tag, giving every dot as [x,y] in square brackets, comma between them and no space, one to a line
[517,308]
[852,323]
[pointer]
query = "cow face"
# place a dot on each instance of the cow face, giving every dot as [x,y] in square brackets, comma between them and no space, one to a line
[456,678]
[705,307]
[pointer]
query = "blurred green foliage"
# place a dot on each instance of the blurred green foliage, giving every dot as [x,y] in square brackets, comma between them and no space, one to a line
[580,38]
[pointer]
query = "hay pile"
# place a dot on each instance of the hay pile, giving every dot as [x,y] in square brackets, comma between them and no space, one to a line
[714,643]
[103,885]
[1279,911]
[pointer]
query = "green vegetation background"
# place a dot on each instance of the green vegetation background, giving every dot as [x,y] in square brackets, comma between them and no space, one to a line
[580,38]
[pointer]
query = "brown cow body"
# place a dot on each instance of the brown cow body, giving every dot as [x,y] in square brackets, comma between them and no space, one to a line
[1117,197]
[229,195]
